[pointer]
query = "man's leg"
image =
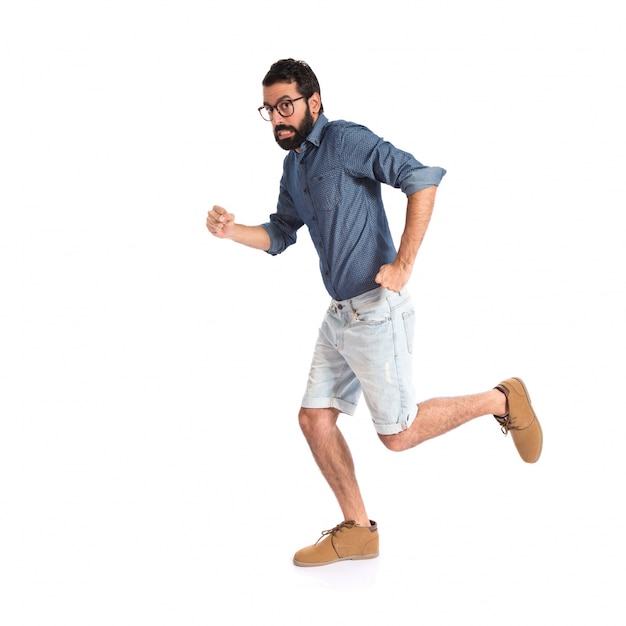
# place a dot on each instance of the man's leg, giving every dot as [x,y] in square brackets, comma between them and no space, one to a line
[332,383]
[334,459]
[355,537]
[440,415]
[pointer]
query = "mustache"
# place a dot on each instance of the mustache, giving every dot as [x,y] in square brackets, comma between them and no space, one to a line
[284,127]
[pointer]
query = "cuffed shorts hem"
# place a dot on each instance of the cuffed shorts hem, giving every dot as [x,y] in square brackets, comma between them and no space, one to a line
[329,403]
[394,429]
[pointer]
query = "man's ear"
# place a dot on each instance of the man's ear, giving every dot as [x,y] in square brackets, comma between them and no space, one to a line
[315,103]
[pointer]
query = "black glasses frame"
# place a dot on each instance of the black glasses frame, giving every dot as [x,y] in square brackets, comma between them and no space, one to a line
[267,110]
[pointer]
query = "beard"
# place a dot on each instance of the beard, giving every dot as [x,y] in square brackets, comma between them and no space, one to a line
[300,134]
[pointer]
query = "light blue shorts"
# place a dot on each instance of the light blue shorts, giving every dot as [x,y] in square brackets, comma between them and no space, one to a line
[365,344]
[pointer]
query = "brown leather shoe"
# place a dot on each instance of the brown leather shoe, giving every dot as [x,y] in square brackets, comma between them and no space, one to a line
[344,542]
[521,420]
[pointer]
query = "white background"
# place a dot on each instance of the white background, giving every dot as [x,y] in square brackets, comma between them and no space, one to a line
[151,467]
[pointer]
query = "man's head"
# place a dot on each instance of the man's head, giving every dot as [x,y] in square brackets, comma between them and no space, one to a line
[291,101]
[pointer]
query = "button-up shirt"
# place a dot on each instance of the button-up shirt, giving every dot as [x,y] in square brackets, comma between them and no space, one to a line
[333,185]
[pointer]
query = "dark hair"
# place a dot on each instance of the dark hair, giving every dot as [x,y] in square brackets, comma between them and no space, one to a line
[292,71]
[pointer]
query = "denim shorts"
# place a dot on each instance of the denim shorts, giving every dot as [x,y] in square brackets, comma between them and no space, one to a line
[365,344]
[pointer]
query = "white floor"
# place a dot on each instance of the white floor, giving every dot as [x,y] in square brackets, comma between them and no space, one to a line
[151,468]
[178,518]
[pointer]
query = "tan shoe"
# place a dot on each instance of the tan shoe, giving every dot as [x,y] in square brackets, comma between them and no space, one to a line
[344,542]
[521,420]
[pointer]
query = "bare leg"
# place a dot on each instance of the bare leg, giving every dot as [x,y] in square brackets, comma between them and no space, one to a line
[440,415]
[334,459]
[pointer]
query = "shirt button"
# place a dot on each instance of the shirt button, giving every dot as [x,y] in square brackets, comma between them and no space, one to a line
[305,190]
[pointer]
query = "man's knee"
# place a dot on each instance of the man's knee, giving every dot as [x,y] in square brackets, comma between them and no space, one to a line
[398,442]
[315,420]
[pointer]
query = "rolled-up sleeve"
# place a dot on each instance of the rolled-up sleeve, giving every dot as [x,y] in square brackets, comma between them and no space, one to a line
[422,178]
[373,157]
[283,225]
[282,234]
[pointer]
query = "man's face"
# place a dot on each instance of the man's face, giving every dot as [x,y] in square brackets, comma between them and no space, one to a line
[290,131]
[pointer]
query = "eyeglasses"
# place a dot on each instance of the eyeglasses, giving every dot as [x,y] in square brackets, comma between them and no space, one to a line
[284,107]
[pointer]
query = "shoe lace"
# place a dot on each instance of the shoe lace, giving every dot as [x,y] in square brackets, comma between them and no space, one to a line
[505,424]
[336,529]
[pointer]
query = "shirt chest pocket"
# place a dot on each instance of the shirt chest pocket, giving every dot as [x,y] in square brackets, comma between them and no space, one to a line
[325,190]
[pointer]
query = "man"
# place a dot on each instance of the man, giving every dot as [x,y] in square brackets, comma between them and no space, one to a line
[331,182]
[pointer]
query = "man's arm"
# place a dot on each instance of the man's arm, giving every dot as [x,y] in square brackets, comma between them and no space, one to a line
[222,224]
[396,275]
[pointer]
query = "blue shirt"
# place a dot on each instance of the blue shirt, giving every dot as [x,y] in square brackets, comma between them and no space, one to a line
[334,187]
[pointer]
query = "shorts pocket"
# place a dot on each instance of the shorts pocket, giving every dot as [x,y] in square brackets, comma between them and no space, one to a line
[408,320]
[372,316]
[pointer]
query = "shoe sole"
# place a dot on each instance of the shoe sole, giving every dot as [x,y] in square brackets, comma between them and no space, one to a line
[535,421]
[345,558]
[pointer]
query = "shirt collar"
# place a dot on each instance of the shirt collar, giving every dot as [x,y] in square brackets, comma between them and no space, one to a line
[315,136]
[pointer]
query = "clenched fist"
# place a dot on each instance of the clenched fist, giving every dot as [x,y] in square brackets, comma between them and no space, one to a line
[220,222]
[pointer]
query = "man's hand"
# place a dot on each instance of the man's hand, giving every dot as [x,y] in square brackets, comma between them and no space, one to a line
[393,276]
[220,222]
